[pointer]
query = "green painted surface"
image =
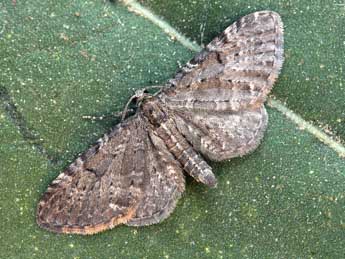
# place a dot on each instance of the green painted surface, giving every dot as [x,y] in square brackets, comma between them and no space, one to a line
[313,77]
[61,61]
[79,58]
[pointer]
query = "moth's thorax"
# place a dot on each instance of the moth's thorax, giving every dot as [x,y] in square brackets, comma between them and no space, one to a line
[152,109]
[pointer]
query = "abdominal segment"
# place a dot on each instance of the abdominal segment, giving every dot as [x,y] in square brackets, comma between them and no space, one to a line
[190,160]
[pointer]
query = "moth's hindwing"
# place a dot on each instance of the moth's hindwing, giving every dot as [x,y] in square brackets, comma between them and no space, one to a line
[164,187]
[223,136]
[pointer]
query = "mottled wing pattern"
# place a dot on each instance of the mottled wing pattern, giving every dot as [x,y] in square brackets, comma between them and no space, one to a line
[165,185]
[225,135]
[218,96]
[116,181]
[246,58]
[101,188]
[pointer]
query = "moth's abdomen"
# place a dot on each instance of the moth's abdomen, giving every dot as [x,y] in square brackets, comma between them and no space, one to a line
[191,161]
[196,166]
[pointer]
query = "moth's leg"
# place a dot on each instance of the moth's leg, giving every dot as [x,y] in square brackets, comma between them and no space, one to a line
[190,160]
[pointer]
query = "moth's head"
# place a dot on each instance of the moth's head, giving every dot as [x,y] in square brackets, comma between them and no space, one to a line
[151,109]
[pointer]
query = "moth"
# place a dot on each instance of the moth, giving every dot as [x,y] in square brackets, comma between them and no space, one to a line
[213,108]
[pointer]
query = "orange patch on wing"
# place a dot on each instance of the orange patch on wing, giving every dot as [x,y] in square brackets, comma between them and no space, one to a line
[90,230]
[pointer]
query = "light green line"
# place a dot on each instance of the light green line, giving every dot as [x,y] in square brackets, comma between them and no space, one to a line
[174,34]
[340,149]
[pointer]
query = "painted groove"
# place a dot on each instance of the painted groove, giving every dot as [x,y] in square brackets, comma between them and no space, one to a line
[304,125]
[137,8]
[19,121]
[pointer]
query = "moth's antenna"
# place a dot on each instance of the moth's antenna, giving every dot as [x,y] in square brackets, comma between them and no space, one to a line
[124,113]
[154,87]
